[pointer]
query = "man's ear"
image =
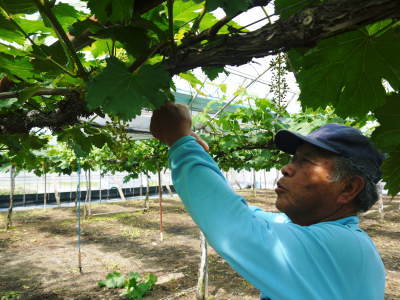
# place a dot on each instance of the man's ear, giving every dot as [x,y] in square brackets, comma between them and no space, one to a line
[352,187]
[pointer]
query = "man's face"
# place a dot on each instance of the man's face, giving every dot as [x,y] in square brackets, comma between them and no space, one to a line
[306,192]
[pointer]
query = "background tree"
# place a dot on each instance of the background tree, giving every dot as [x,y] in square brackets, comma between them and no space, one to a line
[67,65]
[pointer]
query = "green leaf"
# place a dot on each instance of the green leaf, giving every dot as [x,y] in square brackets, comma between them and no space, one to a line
[66,14]
[27,93]
[158,17]
[9,32]
[186,10]
[6,103]
[391,172]
[189,77]
[41,62]
[134,40]
[7,49]
[286,8]
[209,20]
[16,66]
[112,10]
[123,94]
[387,135]
[347,71]
[113,281]
[20,6]
[136,287]
[378,26]
[80,27]
[213,72]
[231,7]
[32,26]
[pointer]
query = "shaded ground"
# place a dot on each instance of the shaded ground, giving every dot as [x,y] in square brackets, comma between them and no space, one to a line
[39,259]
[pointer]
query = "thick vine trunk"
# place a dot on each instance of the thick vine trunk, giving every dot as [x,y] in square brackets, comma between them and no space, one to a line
[237,183]
[57,191]
[146,199]
[254,184]
[89,192]
[100,188]
[141,185]
[45,191]
[24,195]
[278,174]
[12,190]
[380,201]
[265,179]
[304,29]
[37,190]
[85,206]
[202,283]
[160,192]
[119,189]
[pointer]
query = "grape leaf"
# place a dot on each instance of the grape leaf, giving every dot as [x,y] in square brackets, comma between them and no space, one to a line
[391,172]
[190,78]
[8,31]
[286,8]
[350,70]
[41,62]
[185,10]
[231,7]
[6,103]
[387,135]
[379,26]
[124,94]
[80,27]
[20,6]
[134,40]
[112,10]
[213,72]
[66,14]
[8,49]
[17,66]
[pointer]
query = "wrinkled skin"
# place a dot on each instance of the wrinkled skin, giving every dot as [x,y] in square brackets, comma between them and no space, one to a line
[307,193]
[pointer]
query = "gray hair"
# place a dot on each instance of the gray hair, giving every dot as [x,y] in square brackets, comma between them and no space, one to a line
[346,167]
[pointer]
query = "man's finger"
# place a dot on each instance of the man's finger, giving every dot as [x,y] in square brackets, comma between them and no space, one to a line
[201,142]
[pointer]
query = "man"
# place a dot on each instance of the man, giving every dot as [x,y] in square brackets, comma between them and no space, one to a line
[314,249]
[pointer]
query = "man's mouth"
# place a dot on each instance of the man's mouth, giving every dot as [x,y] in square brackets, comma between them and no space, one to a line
[280,188]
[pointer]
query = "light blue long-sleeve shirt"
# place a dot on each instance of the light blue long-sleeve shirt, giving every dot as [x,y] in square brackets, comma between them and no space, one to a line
[328,260]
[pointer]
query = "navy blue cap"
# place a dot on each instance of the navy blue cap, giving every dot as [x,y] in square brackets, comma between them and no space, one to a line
[339,139]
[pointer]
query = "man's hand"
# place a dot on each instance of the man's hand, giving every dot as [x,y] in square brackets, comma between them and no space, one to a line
[171,122]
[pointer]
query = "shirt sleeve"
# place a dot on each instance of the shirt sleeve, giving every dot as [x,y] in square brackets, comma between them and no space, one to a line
[265,248]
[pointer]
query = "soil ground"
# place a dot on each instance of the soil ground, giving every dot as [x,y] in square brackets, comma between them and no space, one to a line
[39,260]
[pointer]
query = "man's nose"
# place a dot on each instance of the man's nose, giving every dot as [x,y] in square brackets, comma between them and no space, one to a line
[288,170]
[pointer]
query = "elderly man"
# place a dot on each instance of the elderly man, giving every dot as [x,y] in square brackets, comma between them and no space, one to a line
[314,249]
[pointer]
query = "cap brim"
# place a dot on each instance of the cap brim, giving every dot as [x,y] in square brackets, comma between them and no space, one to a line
[288,142]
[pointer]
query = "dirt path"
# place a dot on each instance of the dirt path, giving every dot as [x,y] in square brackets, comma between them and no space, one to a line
[39,258]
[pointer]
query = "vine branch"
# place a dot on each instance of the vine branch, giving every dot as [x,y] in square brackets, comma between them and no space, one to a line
[303,29]
[10,18]
[69,50]
[41,92]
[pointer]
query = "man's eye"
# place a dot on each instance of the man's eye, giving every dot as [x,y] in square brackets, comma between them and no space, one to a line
[299,159]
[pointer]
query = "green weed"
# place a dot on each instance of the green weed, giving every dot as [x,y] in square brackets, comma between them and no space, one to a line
[135,285]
